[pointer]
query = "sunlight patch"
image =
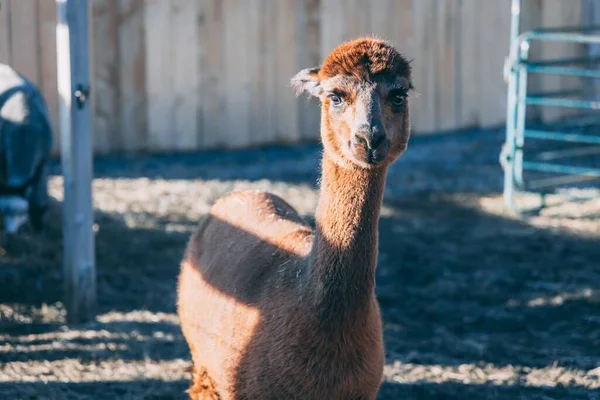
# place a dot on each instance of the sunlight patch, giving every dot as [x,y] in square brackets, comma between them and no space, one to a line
[490,374]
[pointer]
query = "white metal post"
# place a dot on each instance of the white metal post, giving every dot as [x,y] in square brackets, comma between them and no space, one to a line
[76,156]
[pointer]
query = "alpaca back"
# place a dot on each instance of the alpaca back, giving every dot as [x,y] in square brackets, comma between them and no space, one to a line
[235,264]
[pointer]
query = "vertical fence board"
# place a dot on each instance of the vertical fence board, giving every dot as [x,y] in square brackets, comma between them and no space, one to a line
[467,70]
[184,74]
[132,75]
[105,83]
[424,112]
[159,79]
[257,79]
[266,80]
[212,69]
[5,37]
[379,20]
[24,36]
[308,47]
[494,28]
[333,25]
[447,42]
[286,110]
[47,67]
[236,84]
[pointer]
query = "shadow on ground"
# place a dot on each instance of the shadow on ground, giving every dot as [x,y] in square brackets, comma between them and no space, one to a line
[457,286]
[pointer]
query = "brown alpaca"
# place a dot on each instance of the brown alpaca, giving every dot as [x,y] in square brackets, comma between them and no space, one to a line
[271,309]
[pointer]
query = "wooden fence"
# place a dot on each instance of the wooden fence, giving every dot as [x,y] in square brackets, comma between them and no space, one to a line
[200,74]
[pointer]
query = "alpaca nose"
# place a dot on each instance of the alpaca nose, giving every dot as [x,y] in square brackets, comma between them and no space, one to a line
[371,136]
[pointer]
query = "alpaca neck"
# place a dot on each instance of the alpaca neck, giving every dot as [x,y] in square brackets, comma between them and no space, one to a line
[344,254]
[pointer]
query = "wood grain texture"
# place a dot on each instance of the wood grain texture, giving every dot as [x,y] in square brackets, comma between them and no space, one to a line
[106,82]
[132,76]
[286,110]
[467,69]
[308,44]
[24,35]
[5,34]
[494,34]
[159,56]
[183,42]
[189,75]
[237,78]
[424,107]
[211,94]
[447,46]
[47,67]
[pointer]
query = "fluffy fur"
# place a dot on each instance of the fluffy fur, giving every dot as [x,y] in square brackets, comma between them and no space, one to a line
[274,310]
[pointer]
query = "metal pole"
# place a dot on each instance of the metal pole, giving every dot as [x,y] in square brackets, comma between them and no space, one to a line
[508,152]
[76,157]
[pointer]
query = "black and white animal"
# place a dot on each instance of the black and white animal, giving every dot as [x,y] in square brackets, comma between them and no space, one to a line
[25,146]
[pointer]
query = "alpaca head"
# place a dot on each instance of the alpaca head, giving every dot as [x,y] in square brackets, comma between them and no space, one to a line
[363,86]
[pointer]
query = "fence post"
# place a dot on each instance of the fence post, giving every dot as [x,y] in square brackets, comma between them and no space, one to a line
[76,157]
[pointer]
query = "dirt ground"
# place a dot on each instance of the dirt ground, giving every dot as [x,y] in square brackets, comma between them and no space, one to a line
[476,304]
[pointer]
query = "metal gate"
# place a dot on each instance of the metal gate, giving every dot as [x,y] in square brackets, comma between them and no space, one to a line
[541,156]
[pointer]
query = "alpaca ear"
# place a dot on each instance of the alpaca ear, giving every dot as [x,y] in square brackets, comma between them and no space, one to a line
[307,80]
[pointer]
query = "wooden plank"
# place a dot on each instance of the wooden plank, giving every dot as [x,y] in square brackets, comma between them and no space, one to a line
[211,94]
[132,75]
[308,43]
[356,19]
[494,28]
[266,102]
[5,36]
[287,112]
[48,83]
[380,17]
[447,44]
[333,26]
[24,36]
[256,79]
[468,70]
[423,106]
[237,84]
[73,73]
[105,85]
[184,74]
[159,78]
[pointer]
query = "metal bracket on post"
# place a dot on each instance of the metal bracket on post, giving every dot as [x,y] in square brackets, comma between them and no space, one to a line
[81,94]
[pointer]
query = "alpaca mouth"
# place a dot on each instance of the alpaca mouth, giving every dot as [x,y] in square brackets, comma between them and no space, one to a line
[364,155]
[375,156]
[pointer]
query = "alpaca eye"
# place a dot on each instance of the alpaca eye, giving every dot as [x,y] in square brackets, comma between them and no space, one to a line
[398,100]
[336,100]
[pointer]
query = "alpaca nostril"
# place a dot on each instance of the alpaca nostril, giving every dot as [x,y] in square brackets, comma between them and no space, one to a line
[362,140]
[369,138]
[376,141]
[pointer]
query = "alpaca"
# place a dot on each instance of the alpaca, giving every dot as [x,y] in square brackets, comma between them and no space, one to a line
[271,309]
[26,139]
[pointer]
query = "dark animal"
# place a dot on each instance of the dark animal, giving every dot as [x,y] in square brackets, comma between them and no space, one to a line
[25,145]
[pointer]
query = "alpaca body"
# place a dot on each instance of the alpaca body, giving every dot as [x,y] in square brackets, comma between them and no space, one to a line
[277,348]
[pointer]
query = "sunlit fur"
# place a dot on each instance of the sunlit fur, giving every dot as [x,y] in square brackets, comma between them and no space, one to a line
[272,309]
